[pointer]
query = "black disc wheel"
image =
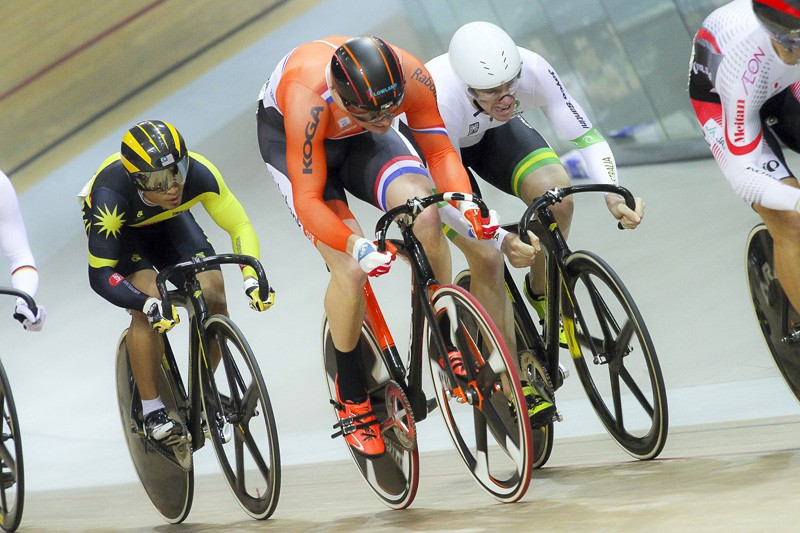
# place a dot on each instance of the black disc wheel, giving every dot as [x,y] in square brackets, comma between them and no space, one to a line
[778,321]
[168,483]
[394,476]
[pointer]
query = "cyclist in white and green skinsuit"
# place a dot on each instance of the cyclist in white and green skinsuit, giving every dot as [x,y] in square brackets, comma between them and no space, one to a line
[484,84]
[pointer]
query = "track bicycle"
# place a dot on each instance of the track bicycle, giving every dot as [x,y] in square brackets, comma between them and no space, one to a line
[778,321]
[227,402]
[607,338]
[493,439]
[12,470]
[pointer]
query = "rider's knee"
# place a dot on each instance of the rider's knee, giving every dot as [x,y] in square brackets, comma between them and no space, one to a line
[139,322]
[784,227]
[482,256]
[213,286]
[348,274]
[563,210]
[428,226]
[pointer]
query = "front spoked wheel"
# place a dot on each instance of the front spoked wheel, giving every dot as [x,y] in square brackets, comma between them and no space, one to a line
[394,476]
[485,411]
[543,435]
[614,356]
[12,478]
[239,419]
[778,321]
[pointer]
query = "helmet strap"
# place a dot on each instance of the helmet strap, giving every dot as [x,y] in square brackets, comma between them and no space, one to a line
[476,105]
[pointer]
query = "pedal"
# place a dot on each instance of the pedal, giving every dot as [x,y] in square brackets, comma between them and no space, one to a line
[225,433]
[431,404]
[351,423]
[557,416]
[7,479]
[563,371]
[183,452]
[793,338]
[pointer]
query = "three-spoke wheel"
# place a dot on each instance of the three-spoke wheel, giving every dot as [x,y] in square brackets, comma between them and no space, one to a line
[485,411]
[532,371]
[239,419]
[614,356]
[12,478]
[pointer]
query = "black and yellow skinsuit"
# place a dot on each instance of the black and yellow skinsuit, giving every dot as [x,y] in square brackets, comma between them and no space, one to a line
[127,233]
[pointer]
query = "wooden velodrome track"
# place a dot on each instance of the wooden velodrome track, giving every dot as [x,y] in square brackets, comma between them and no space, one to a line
[71,71]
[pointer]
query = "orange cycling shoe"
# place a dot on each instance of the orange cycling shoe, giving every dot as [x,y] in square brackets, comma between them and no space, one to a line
[358,425]
[456,362]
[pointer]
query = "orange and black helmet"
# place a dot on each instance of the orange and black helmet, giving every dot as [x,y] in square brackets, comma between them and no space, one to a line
[367,74]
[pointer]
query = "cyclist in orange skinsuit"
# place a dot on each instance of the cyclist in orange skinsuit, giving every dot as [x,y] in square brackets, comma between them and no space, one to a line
[325,126]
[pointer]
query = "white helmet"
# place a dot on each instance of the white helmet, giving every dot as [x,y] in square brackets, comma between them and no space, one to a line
[483,55]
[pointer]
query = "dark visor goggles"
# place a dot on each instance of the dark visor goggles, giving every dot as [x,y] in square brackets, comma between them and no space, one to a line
[163,179]
[373,115]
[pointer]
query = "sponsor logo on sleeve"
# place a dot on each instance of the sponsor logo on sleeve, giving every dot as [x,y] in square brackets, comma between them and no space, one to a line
[426,80]
[752,69]
[308,147]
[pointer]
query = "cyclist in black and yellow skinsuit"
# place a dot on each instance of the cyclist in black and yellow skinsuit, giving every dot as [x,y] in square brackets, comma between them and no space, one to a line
[137,219]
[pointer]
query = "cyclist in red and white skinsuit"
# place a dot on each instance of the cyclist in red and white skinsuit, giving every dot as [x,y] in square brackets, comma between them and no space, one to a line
[743,84]
[14,241]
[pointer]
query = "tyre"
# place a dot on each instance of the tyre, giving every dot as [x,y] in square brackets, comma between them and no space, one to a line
[240,421]
[12,472]
[169,486]
[480,411]
[776,318]
[614,356]
[542,436]
[394,476]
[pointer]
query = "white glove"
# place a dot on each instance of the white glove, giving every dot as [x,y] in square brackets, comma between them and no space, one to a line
[155,315]
[373,262]
[30,321]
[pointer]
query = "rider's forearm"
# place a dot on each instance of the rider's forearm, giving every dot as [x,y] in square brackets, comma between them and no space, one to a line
[756,187]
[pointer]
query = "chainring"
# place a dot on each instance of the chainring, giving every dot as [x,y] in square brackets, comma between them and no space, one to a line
[533,372]
[400,417]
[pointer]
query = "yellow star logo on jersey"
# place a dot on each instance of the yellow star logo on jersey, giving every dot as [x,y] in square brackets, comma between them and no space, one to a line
[109,221]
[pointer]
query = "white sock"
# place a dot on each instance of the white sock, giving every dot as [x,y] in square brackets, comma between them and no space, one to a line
[148,406]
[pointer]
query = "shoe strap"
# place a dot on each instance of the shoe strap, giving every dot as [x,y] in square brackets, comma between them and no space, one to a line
[352,424]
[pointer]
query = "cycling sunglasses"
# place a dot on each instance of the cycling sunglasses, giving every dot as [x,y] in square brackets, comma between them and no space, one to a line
[374,115]
[496,94]
[790,39]
[164,179]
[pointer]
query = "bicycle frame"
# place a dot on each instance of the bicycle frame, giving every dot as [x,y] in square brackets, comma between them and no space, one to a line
[423,283]
[546,228]
[190,297]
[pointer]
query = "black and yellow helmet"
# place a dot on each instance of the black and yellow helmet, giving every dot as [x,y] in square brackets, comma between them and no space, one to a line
[155,156]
